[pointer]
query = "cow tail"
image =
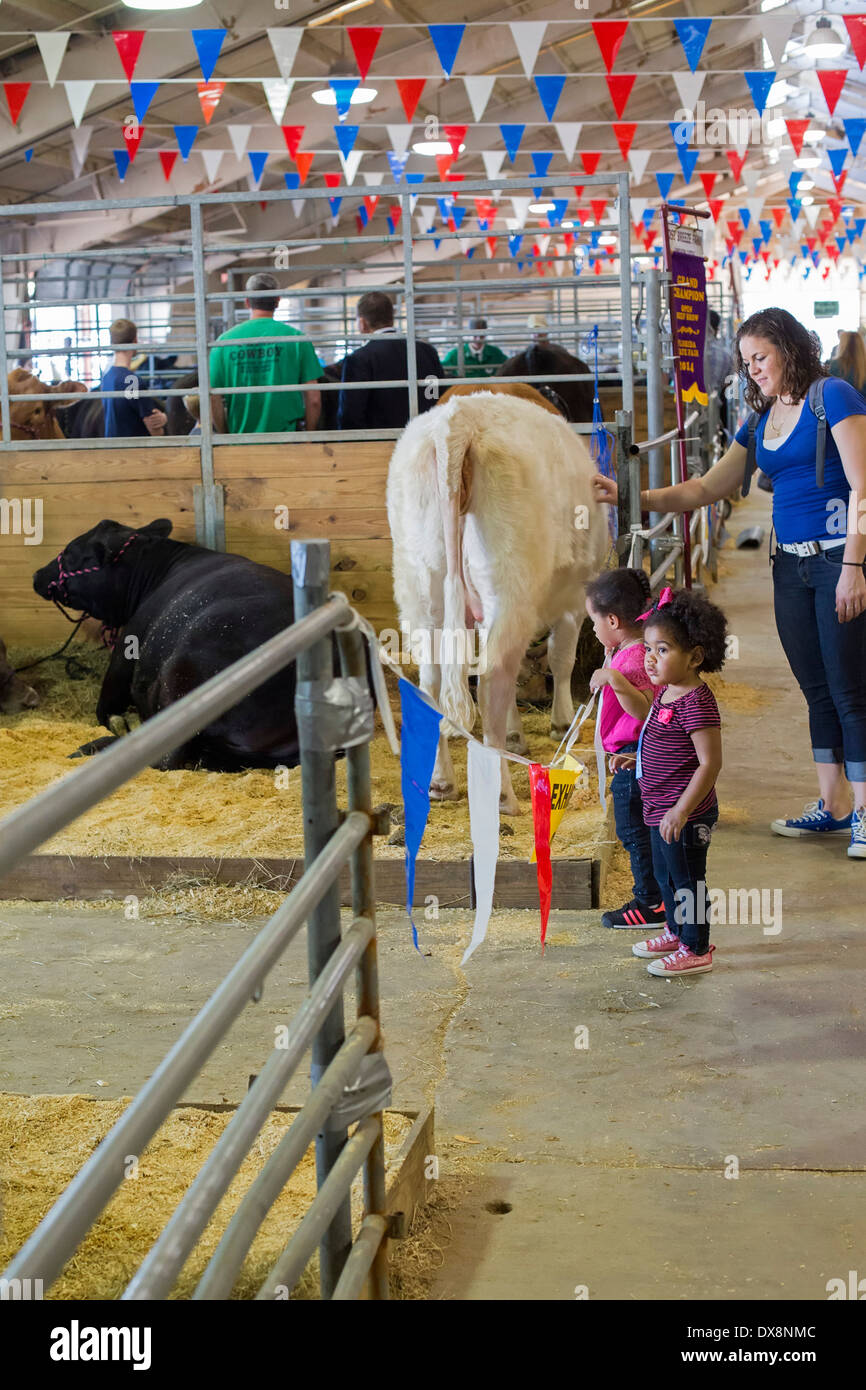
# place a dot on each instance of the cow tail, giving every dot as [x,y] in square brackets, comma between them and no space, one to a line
[452,439]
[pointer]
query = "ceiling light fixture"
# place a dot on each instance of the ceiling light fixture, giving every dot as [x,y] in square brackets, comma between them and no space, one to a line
[433,147]
[824,41]
[807,161]
[345,7]
[542,208]
[326,96]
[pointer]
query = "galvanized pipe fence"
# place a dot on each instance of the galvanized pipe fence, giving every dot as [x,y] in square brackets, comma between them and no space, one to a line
[350,1079]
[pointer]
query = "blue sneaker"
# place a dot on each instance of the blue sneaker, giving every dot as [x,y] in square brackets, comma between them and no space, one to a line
[857,847]
[814,821]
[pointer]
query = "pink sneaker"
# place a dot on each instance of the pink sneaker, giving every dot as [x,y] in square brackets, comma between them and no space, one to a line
[657,945]
[682,962]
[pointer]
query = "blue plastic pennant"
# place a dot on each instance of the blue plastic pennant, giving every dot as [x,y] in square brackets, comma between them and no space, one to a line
[837,160]
[419,741]
[142,94]
[437,243]
[398,163]
[414,178]
[470,253]
[549,91]
[766,229]
[855,129]
[692,34]
[859,225]
[759,85]
[121,159]
[794,182]
[293,180]
[362,214]
[446,40]
[446,206]
[185,136]
[28,155]
[688,160]
[745,217]
[514,244]
[512,136]
[346,137]
[335,205]
[343,87]
[648,214]
[682,131]
[757,242]
[556,214]
[208,43]
[665,182]
[258,159]
[458,214]
[541,161]
[793,207]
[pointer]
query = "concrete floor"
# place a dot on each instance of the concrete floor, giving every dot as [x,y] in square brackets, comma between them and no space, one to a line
[612,1157]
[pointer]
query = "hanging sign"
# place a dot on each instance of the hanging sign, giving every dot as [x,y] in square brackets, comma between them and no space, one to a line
[688,293]
[687,239]
[825,308]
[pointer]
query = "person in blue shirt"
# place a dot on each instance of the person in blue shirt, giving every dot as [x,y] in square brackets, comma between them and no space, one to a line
[818,566]
[133,413]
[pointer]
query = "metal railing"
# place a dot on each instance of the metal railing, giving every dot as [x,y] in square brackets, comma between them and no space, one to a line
[337,1059]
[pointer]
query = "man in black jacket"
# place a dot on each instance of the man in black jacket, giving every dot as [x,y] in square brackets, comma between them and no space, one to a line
[384,358]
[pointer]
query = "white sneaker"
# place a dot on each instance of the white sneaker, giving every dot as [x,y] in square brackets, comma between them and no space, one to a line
[857,847]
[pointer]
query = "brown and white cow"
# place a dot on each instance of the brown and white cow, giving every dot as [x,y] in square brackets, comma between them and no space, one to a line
[36,419]
[493,521]
[15,694]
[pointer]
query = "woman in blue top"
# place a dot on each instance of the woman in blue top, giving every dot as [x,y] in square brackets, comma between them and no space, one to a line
[818,566]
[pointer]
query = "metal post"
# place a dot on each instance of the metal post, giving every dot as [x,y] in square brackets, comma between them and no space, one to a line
[625,294]
[409,292]
[628,506]
[311,568]
[210,515]
[4,368]
[461,355]
[654,393]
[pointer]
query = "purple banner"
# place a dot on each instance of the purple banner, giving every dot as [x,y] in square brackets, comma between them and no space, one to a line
[689,325]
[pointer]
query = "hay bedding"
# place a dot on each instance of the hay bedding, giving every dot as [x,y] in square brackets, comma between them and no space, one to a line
[44,1140]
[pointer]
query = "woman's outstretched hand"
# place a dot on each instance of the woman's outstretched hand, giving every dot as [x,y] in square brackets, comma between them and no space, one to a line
[850,594]
[604,489]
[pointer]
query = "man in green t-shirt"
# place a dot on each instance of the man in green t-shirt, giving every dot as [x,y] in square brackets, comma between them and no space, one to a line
[286,363]
[480,358]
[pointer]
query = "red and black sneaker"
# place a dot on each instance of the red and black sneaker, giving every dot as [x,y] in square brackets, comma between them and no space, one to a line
[635,914]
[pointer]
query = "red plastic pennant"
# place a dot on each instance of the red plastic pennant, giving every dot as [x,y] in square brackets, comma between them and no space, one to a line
[832,83]
[371,205]
[620,86]
[132,137]
[492,243]
[209,94]
[167,159]
[839,180]
[303,160]
[568,238]
[811,242]
[708,180]
[16,95]
[293,135]
[589,162]
[778,216]
[716,205]
[835,207]
[333,180]
[796,131]
[609,34]
[410,89]
[856,26]
[443,164]
[599,207]
[395,212]
[455,135]
[735,230]
[128,43]
[364,40]
[584,215]
[578,189]
[736,162]
[833,250]
[625,133]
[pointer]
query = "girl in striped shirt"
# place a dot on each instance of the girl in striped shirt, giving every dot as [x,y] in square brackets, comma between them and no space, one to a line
[679,759]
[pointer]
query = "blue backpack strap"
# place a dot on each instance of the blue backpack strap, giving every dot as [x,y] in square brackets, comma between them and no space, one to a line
[751,452]
[816,405]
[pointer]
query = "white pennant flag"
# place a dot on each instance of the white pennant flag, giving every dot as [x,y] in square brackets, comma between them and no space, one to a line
[638,160]
[212,160]
[413,202]
[777,33]
[559,266]
[350,164]
[542,243]
[80,143]
[78,95]
[521,208]
[285,44]
[755,206]
[637,208]
[239,136]
[492,164]
[812,213]
[426,217]
[298,206]
[277,92]
[568,132]
[373,180]
[528,36]
[750,177]
[484,785]
[688,85]
[478,91]
[399,137]
[52,48]
[786,161]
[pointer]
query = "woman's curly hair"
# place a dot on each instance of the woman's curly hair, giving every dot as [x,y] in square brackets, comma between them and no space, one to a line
[623,592]
[692,621]
[799,350]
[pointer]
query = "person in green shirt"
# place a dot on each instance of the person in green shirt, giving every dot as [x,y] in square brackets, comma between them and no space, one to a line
[286,363]
[480,358]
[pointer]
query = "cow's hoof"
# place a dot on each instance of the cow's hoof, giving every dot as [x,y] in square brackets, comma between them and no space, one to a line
[118,725]
[509,806]
[443,791]
[516,743]
[558,731]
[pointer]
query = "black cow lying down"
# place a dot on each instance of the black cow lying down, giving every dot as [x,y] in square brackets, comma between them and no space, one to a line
[193,612]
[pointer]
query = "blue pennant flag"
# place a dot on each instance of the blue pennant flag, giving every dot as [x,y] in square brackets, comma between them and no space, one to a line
[414,178]
[664,182]
[208,43]
[514,244]
[594,236]
[185,135]
[470,253]
[142,94]
[121,159]
[682,131]
[458,214]
[859,225]
[541,161]
[746,217]
[398,163]
[362,214]
[446,40]
[766,229]
[692,34]
[759,85]
[757,242]
[600,442]
[28,155]
[436,243]
[512,135]
[855,128]
[851,236]
[538,193]
[647,216]
[555,216]
[549,91]
[446,207]
[343,87]
[794,182]
[742,256]
[346,137]
[419,741]
[335,205]
[258,159]
[688,160]
[793,208]
[293,180]
[837,160]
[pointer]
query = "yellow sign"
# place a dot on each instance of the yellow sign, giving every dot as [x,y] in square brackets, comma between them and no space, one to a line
[562,780]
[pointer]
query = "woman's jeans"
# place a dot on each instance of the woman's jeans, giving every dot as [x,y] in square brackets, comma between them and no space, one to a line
[681,868]
[631,831]
[828,658]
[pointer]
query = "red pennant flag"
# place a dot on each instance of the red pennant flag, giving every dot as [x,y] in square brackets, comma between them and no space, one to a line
[264,206]
[736,162]
[835,207]
[364,39]
[638,229]
[778,216]
[209,94]
[839,180]
[132,136]
[16,95]
[589,162]
[765,257]
[584,215]
[128,43]
[832,83]
[620,87]
[484,210]
[395,213]
[729,246]
[333,180]
[856,26]
[303,160]
[796,130]
[599,207]
[775,262]
[811,242]
[167,159]
[455,178]
[293,135]
[708,180]
[359,224]
[825,272]
[410,89]
[455,135]
[625,133]
[443,164]
[736,231]
[578,189]
[609,35]
[568,238]
[371,205]
[833,251]
[716,205]
[493,242]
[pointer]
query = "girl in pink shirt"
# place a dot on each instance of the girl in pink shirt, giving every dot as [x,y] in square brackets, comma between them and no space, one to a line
[613,602]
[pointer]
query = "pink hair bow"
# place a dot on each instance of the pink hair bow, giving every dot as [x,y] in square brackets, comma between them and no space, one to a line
[664,597]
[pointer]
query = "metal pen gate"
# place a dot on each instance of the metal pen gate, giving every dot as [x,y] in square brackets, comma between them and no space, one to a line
[350,1077]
